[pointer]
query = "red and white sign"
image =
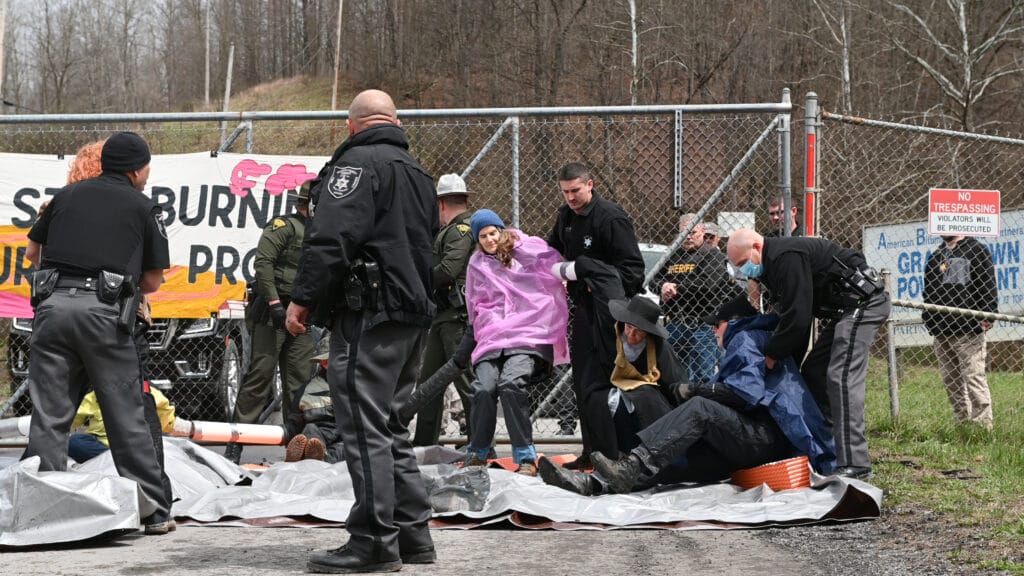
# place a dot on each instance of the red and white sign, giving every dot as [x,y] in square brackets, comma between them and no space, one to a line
[963,212]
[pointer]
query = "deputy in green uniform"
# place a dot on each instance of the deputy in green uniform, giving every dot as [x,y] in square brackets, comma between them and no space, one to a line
[277,258]
[452,248]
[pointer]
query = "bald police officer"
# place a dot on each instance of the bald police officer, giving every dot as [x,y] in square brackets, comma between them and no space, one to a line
[452,249]
[376,217]
[277,259]
[810,278]
[104,244]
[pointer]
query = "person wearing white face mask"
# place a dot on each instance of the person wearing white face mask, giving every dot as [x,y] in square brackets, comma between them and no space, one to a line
[808,278]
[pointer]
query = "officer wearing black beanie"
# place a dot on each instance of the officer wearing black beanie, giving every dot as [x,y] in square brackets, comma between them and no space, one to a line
[104,242]
[124,152]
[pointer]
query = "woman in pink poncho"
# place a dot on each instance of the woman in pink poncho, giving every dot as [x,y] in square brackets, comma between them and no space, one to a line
[519,315]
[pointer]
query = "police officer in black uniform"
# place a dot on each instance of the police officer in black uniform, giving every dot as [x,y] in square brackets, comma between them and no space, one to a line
[372,231]
[810,278]
[597,236]
[105,244]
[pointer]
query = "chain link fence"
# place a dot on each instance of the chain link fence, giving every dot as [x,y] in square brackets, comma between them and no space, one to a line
[721,163]
[957,318]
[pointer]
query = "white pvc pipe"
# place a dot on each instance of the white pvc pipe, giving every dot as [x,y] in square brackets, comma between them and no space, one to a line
[240,433]
[12,427]
[199,431]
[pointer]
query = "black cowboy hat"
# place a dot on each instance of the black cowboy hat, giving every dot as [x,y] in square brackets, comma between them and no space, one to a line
[640,312]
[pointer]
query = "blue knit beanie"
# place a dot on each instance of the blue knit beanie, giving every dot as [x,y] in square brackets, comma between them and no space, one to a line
[482,219]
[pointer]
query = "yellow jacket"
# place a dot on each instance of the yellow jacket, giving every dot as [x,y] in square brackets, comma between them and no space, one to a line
[90,417]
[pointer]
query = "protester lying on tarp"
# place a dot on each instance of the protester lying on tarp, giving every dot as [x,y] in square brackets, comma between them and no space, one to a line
[745,418]
[92,440]
[319,439]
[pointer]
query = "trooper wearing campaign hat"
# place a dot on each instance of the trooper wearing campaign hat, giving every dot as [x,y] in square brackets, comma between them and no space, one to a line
[277,259]
[452,248]
[105,243]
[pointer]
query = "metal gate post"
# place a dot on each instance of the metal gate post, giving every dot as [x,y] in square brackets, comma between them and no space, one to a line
[785,179]
[515,172]
[890,346]
[677,172]
[811,122]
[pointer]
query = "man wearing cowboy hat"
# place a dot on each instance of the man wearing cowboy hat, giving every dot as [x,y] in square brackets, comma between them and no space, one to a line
[646,372]
[452,249]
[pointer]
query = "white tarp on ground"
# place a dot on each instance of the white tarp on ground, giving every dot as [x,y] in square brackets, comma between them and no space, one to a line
[55,507]
[204,486]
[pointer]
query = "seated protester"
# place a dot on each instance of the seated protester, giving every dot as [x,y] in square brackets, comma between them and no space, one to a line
[646,371]
[319,439]
[93,441]
[746,418]
[519,315]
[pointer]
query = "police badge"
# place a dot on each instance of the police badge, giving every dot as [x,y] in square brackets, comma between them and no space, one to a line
[343,181]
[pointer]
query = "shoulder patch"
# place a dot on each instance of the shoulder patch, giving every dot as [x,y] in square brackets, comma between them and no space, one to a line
[279,223]
[159,218]
[343,180]
[463,228]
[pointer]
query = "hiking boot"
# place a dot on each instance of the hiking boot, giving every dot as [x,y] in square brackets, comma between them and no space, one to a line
[344,561]
[473,460]
[158,524]
[296,448]
[233,452]
[622,474]
[559,477]
[315,450]
[581,463]
[527,468]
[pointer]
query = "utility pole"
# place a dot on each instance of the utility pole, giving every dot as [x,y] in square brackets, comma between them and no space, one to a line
[337,58]
[227,92]
[206,98]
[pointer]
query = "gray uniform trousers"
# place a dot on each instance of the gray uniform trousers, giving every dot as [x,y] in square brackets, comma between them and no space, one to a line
[838,364]
[372,372]
[507,378]
[75,341]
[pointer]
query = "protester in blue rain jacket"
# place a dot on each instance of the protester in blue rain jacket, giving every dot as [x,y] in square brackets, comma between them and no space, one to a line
[781,390]
[745,418]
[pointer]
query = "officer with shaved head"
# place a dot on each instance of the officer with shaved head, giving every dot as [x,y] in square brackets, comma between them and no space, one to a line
[808,278]
[367,261]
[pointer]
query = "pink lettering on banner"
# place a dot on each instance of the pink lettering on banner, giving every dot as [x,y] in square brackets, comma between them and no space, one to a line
[241,184]
[288,177]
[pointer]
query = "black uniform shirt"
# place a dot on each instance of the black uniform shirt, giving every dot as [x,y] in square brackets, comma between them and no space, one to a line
[102,223]
[797,273]
[603,232]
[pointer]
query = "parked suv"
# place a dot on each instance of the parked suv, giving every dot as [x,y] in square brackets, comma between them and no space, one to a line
[197,363]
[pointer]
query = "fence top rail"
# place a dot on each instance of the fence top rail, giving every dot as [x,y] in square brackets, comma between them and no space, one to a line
[993,316]
[775,108]
[922,129]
